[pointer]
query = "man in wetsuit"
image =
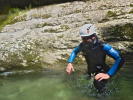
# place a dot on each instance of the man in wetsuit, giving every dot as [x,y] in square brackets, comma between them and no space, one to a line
[95,53]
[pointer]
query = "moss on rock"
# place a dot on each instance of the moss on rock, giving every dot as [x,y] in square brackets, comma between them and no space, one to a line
[120,32]
[22,55]
[111,14]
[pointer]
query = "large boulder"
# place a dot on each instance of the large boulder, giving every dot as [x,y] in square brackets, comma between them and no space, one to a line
[48,34]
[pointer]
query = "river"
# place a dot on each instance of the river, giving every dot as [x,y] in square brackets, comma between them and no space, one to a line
[51,85]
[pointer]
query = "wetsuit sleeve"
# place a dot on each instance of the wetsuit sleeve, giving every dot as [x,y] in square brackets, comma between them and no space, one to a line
[115,55]
[73,54]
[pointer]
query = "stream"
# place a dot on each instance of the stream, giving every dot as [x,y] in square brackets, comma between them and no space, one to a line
[56,85]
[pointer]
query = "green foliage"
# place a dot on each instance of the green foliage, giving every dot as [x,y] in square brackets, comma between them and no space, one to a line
[13,11]
[9,18]
[28,7]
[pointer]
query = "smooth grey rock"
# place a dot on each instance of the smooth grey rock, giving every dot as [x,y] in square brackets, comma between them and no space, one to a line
[49,33]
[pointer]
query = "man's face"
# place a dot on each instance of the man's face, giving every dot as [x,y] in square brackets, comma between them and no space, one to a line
[88,39]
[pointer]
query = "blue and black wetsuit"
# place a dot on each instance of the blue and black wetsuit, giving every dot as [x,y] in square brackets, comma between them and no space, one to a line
[95,56]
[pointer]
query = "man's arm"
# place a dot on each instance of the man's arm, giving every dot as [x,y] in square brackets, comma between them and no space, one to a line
[118,60]
[116,56]
[69,68]
[74,54]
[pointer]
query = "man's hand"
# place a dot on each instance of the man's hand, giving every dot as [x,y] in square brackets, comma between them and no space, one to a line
[69,69]
[102,76]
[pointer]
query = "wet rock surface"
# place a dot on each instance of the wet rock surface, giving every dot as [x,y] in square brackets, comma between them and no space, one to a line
[49,33]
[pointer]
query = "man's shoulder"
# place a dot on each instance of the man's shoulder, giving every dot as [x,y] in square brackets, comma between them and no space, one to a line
[106,46]
[102,43]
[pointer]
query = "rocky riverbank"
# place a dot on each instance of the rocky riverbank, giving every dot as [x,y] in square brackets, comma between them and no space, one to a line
[45,36]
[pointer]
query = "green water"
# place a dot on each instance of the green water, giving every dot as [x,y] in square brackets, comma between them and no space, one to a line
[37,86]
[50,85]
